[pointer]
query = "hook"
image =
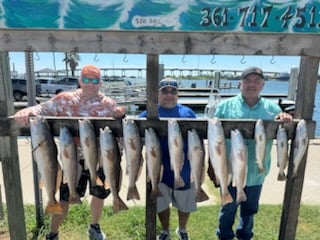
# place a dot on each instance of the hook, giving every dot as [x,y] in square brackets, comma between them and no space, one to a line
[242,61]
[212,59]
[272,61]
[183,59]
[96,59]
[37,56]
[125,59]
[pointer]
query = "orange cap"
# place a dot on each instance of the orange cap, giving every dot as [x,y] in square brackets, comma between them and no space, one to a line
[91,70]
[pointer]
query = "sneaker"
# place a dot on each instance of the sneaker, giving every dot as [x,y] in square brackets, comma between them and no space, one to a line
[182,235]
[52,236]
[164,235]
[95,233]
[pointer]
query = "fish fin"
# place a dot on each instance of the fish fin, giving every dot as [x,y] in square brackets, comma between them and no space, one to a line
[203,174]
[294,173]
[140,168]
[133,193]
[218,149]
[118,205]
[87,142]
[178,183]
[241,196]
[153,152]
[120,180]
[41,183]
[105,184]
[65,153]
[260,169]
[54,208]
[226,198]
[133,144]
[75,199]
[99,182]
[155,193]
[148,179]
[201,195]
[59,178]
[281,176]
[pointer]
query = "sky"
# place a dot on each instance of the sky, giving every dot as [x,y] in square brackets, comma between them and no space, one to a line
[216,62]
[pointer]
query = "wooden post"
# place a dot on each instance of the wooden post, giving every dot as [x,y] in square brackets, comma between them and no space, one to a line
[152,114]
[304,110]
[293,81]
[9,158]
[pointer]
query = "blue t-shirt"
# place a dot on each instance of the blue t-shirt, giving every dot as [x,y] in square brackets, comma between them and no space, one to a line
[180,111]
[265,109]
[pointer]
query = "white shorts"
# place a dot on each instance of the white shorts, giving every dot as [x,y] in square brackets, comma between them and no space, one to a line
[183,200]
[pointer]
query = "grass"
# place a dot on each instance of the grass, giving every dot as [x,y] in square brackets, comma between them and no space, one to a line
[130,225]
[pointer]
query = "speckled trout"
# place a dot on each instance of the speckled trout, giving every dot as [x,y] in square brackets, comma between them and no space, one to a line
[45,152]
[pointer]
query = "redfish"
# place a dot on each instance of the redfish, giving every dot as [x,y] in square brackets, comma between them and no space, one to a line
[218,158]
[111,163]
[134,159]
[45,153]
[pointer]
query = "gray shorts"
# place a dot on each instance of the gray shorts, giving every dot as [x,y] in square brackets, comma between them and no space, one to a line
[183,200]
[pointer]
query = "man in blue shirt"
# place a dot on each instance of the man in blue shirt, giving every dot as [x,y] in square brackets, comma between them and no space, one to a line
[182,198]
[248,104]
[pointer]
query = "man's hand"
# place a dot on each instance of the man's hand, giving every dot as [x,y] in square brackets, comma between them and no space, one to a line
[22,117]
[284,117]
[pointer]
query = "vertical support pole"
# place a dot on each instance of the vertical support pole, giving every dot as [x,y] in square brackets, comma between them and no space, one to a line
[216,80]
[31,101]
[293,82]
[152,114]
[304,110]
[9,158]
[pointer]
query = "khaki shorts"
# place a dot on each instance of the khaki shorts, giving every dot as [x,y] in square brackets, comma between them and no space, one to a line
[183,200]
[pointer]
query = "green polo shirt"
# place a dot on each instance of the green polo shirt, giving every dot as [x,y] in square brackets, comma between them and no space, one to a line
[265,109]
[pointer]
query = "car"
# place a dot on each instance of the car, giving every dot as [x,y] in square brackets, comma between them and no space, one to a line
[69,81]
[55,86]
[19,88]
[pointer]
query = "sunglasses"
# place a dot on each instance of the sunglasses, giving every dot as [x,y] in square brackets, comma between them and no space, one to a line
[168,83]
[165,91]
[92,80]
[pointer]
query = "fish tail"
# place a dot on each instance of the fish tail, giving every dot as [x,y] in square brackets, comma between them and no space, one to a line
[226,198]
[155,193]
[201,195]
[118,205]
[260,168]
[178,182]
[75,199]
[241,196]
[133,193]
[294,172]
[281,176]
[54,208]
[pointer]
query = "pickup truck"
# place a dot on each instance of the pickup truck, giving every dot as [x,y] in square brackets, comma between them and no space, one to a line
[55,86]
[19,88]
